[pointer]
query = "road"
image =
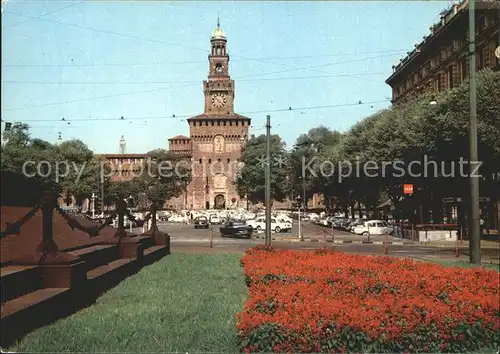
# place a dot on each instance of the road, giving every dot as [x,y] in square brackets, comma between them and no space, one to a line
[185,238]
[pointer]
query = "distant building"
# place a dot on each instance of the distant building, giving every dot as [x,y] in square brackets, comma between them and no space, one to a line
[217,137]
[440,61]
[124,167]
[215,144]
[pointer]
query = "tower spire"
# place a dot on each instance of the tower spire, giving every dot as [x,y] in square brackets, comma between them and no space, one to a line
[218,19]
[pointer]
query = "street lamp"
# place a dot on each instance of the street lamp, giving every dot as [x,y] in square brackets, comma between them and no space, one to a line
[93,205]
[299,205]
[433,103]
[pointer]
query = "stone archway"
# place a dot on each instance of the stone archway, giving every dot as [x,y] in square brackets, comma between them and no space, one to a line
[219,202]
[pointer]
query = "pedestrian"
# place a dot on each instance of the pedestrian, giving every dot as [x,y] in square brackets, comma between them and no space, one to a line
[481,225]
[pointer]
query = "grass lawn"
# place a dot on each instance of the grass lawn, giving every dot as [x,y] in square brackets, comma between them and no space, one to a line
[185,302]
[464,264]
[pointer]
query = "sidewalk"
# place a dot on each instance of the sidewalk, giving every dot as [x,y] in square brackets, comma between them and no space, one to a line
[462,244]
[374,240]
[379,240]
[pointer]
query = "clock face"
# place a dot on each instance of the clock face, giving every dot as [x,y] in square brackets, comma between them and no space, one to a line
[218,68]
[219,100]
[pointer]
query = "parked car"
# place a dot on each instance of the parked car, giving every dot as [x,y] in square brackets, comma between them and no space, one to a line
[276,225]
[355,223]
[177,218]
[214,219]
[201,222]
[236,228]
[285,218]
[372,227]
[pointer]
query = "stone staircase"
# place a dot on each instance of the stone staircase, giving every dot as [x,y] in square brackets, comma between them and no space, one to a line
[32,296]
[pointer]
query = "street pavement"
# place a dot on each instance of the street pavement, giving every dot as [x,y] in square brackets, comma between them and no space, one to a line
[185,238]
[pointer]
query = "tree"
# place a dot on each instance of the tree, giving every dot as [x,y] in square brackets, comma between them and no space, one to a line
[79,171]
[164,176]
[251,180]
[21,154]
[307,147]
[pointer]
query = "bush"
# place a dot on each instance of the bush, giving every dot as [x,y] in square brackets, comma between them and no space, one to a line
[333,302]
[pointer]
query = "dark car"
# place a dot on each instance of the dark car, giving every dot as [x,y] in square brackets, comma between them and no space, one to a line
[201,222]
[236,228]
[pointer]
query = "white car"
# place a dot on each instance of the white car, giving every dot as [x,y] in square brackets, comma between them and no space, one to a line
[372,227]
[177,218]
[276,225]
[285,218]
[214,219]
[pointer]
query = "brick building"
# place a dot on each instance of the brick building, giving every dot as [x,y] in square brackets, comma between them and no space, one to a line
[217,136]
[214,146]
[440,61]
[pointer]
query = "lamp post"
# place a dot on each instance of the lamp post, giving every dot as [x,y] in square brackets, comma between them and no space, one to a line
[299,205]
[93,205]
[475,240]
[268,180]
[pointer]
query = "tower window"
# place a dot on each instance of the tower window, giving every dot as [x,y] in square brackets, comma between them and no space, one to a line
[209,160]
[218,160]
[199,161]
[228,160]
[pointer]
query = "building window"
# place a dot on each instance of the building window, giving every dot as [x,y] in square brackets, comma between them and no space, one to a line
[438,83]
[228,160]
[209,160]
[218,160]
[450,77]
[480,59]
[463,69]
[199,160]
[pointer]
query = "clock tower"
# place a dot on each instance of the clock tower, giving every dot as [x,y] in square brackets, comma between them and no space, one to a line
[219,88]
[217,136]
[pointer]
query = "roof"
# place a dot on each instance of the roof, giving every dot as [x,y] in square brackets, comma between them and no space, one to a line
[123,156]
[222,116]
[447,18]
[180,137]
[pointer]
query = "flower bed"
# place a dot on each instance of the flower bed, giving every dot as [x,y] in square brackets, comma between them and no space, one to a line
[333,302]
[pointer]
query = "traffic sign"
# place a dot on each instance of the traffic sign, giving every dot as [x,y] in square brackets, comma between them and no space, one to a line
[497,52]
[408,189]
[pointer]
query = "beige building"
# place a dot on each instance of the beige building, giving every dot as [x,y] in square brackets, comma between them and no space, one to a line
[440,61]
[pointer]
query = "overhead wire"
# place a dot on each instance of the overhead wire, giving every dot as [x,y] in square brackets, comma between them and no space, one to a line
[163,88]
[177,82]
[394,52]
[42,15]
[146,118]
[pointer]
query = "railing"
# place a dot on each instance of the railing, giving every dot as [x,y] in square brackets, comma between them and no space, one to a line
[48,204]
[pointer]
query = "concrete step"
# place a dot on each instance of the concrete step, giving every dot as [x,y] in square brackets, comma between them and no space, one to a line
[108,268]
[104,277]
[17,280]
[154,253]
[27,312]
[97,255]
[26,301]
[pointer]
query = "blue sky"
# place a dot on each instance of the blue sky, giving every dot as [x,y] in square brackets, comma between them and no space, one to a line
[96,61]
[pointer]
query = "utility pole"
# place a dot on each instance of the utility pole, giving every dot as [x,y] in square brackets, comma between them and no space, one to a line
[268,180]
[474,228]
[304,192]
[102,197]
[93,205]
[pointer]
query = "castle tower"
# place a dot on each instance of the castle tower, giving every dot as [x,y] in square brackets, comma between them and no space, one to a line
[123,145]
[218,135]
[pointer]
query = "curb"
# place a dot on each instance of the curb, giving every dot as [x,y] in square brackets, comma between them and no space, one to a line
[356,242]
